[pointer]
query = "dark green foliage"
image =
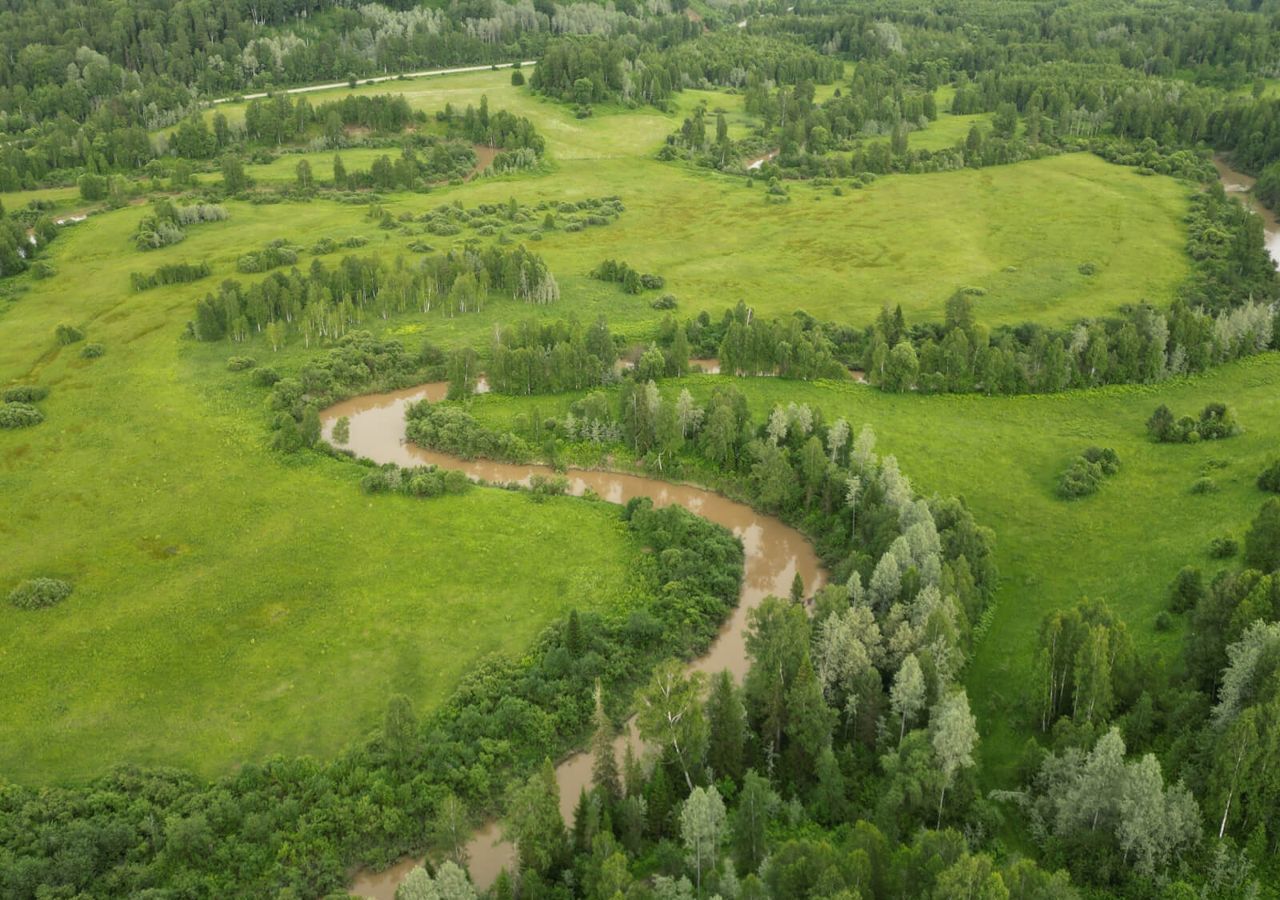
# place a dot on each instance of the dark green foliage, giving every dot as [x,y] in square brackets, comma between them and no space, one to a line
[1223,547]
[1269,480]
[1262,541]
[19,415]
[632,281]
[177,273]
[240,363]
[25,393]
[1087,471]
[92,350]
[1186,590]
[277,253]
[39,593]
[1216,421]
[68,334]
[542,356]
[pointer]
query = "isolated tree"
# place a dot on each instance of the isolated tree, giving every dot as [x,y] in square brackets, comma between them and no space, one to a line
[671,715]
[907,696]
[233,178]
[953,732]
[702,821]
[339,170]
[302,173]
[400,729]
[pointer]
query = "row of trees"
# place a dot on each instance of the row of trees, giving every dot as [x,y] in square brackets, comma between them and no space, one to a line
[325,303]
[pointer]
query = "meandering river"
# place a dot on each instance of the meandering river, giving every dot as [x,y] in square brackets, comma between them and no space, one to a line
[1239,183]
[773,554]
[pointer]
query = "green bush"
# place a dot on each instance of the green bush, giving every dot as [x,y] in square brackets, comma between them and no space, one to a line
[1216,421]
[25,393]
[1223,547]
[1269,480]
[19,415]
[92,350]
[265,377]
[240,363]
[1204,486]
[68,334]
[1087,471]
[39,593]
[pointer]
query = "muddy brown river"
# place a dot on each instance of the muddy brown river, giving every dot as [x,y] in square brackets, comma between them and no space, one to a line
[773,554]
[1242,185]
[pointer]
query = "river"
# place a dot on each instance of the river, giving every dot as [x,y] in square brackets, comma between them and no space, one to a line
[773,554]
[1241,184]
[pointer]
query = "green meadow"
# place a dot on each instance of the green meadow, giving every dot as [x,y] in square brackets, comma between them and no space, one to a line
[231,603]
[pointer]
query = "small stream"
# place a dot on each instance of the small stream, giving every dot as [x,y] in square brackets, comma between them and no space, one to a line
[773,554]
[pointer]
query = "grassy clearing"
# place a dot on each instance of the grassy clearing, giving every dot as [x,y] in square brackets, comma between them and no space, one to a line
[1021,232]
[229,603]
[1003,455]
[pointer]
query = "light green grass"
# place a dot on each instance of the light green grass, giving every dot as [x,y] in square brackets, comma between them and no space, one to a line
[1021,232]
[230,603]
[1003,455]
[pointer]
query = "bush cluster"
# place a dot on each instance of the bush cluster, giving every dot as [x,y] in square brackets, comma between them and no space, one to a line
[420,481]
[39,593]
[1087,472]
[19,415]
[1216,421]
[632,281]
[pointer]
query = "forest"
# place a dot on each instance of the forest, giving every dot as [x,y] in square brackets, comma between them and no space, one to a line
[649,450]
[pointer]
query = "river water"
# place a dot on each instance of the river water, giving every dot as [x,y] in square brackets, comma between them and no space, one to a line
[1242,185]
[773,554]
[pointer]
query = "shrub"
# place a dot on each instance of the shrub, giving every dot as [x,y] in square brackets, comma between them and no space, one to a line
[19,415]
[240,363]
[92,351]
[1223,547]
[68,334]
[39,593]
[1164,621]
[1216,421]
[1087,471]
[1269,480]
[42,270]
[1204,485]
[666,301]
[1187,589]
[25,393]
[265,377]
[1262,542]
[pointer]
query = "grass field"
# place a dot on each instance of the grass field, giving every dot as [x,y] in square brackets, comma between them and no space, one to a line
[226,597]
[230,603]
[844,256]
[1003,455]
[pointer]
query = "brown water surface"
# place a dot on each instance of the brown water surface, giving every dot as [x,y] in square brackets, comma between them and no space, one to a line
[1234,182]
[773,554]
